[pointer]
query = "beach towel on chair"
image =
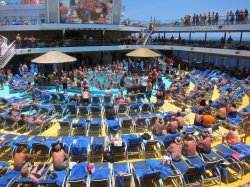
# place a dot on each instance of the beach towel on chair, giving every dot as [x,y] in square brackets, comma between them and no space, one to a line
[156,165]
[78,172]
[56,177]
[113,125]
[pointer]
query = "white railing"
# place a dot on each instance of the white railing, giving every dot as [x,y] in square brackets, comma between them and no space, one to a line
[5,58]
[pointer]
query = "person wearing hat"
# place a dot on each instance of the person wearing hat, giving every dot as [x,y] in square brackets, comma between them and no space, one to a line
[205,142]
[189,147]
[175,149]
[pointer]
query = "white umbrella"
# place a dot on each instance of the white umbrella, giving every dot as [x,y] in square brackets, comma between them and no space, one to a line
[143,53]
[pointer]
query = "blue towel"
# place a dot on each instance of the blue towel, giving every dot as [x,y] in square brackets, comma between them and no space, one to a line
[181,165]
[132,140]
[241,148]
[197,162]
[81,122]
[78,172]
[156,165]
[143,171]
[121,167]
[113,125]
[8,177]
[81,147]
[97,143]
[4,164]
[188,129]
[58,180]
[101,174]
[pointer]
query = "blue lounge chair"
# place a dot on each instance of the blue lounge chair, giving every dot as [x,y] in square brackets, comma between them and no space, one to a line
[83,111]
[141,124]
[126,124]
[80,127]
[145,175]
[113,126]
[125,179]
[80,147]
[9,178]
[168,172]
[55,178]
[102,175]
[65,126]
[78,175]
[43,148]
[134,146]
[27,181]
[97,147]
[4,169]
[190,174]
[95,126]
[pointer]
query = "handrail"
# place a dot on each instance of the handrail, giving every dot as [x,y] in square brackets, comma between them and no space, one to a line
[4,59]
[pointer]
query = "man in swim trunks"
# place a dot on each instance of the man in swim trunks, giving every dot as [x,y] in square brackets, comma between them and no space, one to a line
[60,158]
[21,158]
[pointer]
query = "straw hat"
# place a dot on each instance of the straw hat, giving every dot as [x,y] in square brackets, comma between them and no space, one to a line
[178,140]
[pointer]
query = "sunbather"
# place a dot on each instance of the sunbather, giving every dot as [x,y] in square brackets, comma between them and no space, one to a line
[205,142]
[60,158]
[198,118]
[232,136]
[158,126]
[189,148]
[172,125]
[21,159]
[175,149]
[35,174]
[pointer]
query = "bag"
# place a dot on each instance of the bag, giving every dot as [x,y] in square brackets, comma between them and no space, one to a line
[146,136]
[108,157]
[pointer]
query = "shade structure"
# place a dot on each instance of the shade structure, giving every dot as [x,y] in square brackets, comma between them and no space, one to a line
[143,53]
[54,57]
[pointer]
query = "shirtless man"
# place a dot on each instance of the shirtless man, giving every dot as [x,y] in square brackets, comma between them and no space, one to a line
[85,96]
[20,158]
[172,125]
[232,136]
[221,113]
[180,119]
[60,158]
[175,149]
[198,118]
[189,148]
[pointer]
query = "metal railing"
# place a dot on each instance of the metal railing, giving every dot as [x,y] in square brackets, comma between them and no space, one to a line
[244,45]
[222,20]
[4,59]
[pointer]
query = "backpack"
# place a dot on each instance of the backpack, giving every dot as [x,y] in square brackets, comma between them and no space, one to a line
[108,157]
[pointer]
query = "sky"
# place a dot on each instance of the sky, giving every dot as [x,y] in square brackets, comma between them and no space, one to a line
[175,9]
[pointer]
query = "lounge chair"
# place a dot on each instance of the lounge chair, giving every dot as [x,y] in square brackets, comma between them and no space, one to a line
[65,126]
[59,110]
[83,111]
[112,126]
[80,147]
[126,179]
[9,179]
[145,175]
[5,166]
[57,178]
[42,146]
[190,174]
[78,175]
[135,145]
[97,147]
[95,126]
[168,172]
[122,110]
[80,127]
[141,124]
[96,111]
[127,124]
[102,175]
[152,146]
[27,181]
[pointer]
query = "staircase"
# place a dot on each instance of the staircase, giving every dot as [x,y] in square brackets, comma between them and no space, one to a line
[6,51]
[143,41]
[163,59]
